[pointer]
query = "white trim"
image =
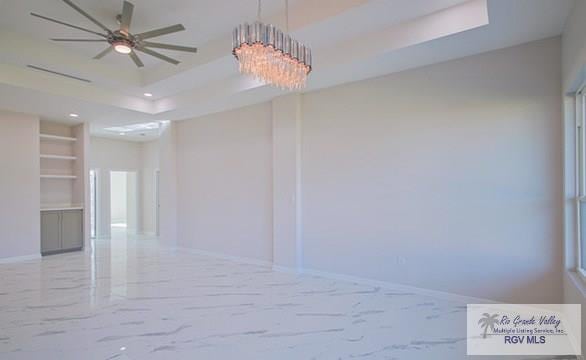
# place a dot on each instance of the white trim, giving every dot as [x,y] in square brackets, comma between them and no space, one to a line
[570,190]
[575,279]
[342,277]
[288,270]
[581,273]
[579,114]
[147,233]
[17,259]
[580,107]
[157,181]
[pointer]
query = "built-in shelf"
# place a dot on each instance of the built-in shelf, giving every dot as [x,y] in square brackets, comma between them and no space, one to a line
[61,157]
[58,157]
[58,177]
[60,207]
[58,138]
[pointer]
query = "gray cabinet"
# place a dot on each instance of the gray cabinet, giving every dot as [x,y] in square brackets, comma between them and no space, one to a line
[71,229]
[50,231]
[61,230]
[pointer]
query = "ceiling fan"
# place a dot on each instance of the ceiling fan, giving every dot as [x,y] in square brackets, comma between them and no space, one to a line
[121,40]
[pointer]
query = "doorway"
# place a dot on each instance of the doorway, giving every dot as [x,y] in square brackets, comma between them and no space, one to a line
[123,202]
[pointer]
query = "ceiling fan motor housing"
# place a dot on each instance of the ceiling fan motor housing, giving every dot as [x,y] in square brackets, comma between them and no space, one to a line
[118,37]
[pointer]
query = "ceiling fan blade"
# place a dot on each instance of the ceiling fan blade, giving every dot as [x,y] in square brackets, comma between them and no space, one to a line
[136,59]
[81,40]
[158,55]
[88,16]
[66,24]
[162,31]
[103,53]
[126,17]
[168,46]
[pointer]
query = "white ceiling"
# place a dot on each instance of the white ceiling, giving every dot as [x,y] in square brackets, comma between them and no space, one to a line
[148,15]
[351,40]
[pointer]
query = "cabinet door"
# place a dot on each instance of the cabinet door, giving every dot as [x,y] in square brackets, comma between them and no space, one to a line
[72,229]
[50,231]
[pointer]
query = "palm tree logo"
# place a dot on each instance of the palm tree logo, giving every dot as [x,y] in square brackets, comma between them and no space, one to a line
[488,321]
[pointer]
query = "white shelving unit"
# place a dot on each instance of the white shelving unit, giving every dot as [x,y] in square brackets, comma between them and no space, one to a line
[64,186]
[61,154]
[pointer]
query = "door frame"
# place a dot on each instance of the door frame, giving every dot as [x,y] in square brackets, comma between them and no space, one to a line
[157,202]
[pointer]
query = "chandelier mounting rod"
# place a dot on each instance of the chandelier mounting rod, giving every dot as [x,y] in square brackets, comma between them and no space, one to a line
[287,15]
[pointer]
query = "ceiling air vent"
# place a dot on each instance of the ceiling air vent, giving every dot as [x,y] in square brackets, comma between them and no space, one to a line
[58,73]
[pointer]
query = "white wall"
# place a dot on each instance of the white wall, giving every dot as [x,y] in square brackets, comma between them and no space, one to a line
[224,182]
[287,242]
[19,185]
[168,184]
[446,177]
[150,165]
[115,154]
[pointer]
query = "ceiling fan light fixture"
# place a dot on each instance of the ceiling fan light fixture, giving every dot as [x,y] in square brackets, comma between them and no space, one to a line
[122,47]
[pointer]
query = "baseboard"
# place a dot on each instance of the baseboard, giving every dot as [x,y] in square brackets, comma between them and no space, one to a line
[239,259]
[396,286]
[147,233]
[344,278]
[17,259]
[288,270]
[574,280]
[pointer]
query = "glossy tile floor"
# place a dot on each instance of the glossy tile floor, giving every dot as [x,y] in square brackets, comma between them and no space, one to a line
[132,299]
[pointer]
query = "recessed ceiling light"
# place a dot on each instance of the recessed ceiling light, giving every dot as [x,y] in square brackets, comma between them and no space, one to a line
[122,133]
[148,94]
[73,115]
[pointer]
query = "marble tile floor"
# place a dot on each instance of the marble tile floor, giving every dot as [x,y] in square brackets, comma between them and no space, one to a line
[132,299]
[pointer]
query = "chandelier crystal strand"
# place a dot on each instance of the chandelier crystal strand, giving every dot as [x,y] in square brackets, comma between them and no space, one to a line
[270,55]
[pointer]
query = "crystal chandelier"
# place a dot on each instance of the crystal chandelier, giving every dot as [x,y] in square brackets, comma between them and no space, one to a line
[270,55]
